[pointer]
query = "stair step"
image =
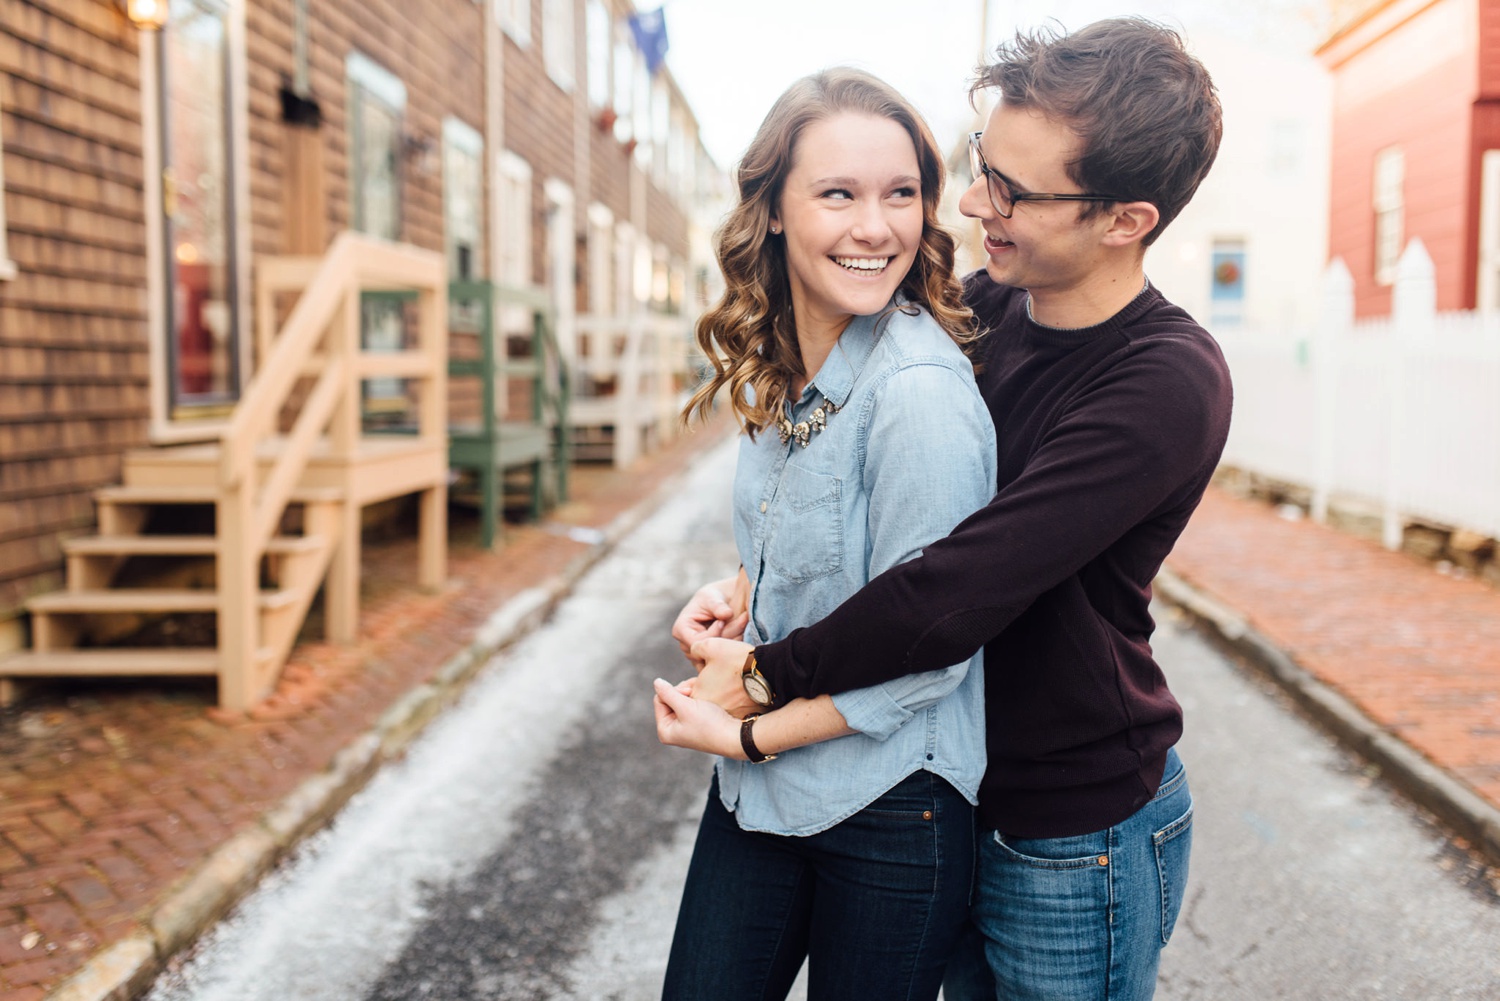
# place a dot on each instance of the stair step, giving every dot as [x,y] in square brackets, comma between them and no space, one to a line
[199,495]
[175,545]
[143,600]
[84,663]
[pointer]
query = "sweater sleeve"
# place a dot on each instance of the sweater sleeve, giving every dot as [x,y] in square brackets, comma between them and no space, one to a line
[1139,439]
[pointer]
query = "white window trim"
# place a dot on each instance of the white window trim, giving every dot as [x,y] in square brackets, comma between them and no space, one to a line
[1488,299]
[560,42]
[512,169]
[8,268]
[514,17]
[599,64]
[459,135]
[375,78]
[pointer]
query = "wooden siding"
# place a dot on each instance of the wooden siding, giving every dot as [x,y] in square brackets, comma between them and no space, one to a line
[73,352]
[1412,88]
[74,370]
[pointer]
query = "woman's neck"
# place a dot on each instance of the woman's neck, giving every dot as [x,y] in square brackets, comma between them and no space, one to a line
[815,341]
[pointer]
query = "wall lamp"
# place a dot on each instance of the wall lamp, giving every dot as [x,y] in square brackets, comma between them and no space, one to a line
[148,15]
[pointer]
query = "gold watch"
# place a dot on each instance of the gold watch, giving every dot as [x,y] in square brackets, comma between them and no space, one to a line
[756,685]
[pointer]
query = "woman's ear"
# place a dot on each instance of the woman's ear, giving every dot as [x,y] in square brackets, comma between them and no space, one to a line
[1130,222]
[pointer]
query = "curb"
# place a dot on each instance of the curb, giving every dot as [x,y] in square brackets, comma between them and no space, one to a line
[123,970]
[1469,815]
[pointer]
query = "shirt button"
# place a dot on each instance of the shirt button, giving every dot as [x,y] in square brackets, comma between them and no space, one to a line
[762,507]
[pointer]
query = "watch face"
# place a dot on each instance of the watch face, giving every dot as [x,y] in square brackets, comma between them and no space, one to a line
[757,689]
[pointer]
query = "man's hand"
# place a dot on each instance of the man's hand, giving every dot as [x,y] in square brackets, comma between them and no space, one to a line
[719,678]
[716,610]
[682,721]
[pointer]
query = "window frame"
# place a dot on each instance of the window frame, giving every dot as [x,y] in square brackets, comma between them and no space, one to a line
[1388,202]
[514,18]
[560,43]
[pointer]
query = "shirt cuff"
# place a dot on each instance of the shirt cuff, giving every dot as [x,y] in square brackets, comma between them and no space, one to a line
[872,712]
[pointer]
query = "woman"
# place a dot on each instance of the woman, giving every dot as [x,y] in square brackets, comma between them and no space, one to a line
[838,829]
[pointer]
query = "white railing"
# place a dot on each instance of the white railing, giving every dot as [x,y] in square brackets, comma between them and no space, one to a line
[644,360]
[1401,412]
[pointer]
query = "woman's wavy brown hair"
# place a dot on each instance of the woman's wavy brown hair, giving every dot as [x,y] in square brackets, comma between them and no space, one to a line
[749,335]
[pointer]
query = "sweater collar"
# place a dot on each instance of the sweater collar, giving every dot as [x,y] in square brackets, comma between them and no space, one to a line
[1073,336]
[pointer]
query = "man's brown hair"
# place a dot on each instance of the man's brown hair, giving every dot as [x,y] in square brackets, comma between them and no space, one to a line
[1145,112]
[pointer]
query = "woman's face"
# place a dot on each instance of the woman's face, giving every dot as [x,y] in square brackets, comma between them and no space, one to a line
[851,216]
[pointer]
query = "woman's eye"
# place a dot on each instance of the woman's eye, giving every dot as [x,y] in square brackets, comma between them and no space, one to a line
[839,193]
[904,193]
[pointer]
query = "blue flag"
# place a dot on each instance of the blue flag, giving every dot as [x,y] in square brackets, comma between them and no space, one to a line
[650,30]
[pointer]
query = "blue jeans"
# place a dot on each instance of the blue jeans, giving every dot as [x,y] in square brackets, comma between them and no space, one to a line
[875,903]
[1079,918]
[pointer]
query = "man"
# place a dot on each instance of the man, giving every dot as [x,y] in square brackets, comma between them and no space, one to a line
[1111,407]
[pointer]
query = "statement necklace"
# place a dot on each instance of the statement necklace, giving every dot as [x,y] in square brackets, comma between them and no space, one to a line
[804,430]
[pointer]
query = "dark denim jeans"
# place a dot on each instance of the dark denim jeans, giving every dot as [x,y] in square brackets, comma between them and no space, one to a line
[874,903]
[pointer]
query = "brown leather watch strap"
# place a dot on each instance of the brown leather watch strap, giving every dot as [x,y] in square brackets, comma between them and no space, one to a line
[747,741]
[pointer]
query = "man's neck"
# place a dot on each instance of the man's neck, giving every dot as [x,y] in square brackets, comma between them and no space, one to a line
[1093,300]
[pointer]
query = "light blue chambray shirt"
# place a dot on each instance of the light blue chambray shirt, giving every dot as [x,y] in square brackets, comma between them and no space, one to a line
[909,454]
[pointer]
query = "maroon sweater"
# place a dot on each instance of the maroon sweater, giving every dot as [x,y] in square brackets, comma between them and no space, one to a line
[1107,439]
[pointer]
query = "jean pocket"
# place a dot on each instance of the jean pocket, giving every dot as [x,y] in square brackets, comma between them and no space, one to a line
[1057,854]
[806,539]
[1173,845]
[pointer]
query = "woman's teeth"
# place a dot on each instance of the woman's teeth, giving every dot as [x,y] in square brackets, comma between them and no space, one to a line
[862,263]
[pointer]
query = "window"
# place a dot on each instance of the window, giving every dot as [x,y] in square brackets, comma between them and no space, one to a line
[624,82]
[377,104]
[513,192]
[198,217]
[515,19]
[1390,173]
[463,198]
[1227,283]
[642,126]
[601,260]
[661,125]
[598,27]
[7,266]
[559,44]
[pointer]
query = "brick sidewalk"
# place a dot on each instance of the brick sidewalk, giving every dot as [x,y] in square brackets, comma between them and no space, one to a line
[1416,651]
[112,794]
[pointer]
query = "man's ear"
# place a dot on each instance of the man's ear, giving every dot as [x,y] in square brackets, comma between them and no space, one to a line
[1129,222]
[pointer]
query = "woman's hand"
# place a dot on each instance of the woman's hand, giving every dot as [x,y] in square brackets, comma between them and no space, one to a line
[715,610]
[683,721]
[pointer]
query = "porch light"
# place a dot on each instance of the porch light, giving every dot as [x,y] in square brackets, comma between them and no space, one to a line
[148,15]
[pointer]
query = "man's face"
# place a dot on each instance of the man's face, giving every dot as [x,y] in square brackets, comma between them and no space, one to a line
[1044,246]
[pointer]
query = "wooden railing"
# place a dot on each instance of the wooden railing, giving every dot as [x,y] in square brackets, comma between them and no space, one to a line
[320,338]
[645,357]
[483,448]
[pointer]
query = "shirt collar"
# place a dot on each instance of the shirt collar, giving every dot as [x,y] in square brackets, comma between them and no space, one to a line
[835,380]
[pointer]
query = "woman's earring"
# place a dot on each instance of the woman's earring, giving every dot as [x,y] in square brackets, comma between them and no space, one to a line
[775,229]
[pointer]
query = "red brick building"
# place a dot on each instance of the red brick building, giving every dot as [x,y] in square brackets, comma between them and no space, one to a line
[1416,127]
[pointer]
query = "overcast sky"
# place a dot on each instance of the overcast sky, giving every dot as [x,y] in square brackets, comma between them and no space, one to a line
[732,58]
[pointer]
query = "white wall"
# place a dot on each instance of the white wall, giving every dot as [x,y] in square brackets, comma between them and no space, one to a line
[1269,188]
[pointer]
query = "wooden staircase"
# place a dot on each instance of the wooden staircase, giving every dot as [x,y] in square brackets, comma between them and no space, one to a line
[225,544]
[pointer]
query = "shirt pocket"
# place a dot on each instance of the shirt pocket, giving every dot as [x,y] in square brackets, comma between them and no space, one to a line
[806,539]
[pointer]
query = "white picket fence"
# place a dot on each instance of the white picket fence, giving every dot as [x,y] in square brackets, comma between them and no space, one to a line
[1400,413]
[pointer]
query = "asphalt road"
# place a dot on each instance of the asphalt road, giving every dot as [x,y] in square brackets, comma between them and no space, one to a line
[533,843]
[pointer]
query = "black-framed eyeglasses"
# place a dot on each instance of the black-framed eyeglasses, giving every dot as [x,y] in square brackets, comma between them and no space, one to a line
[1003,193]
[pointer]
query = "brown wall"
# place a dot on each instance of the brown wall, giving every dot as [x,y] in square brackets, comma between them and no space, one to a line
[74,378]
[73,352]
